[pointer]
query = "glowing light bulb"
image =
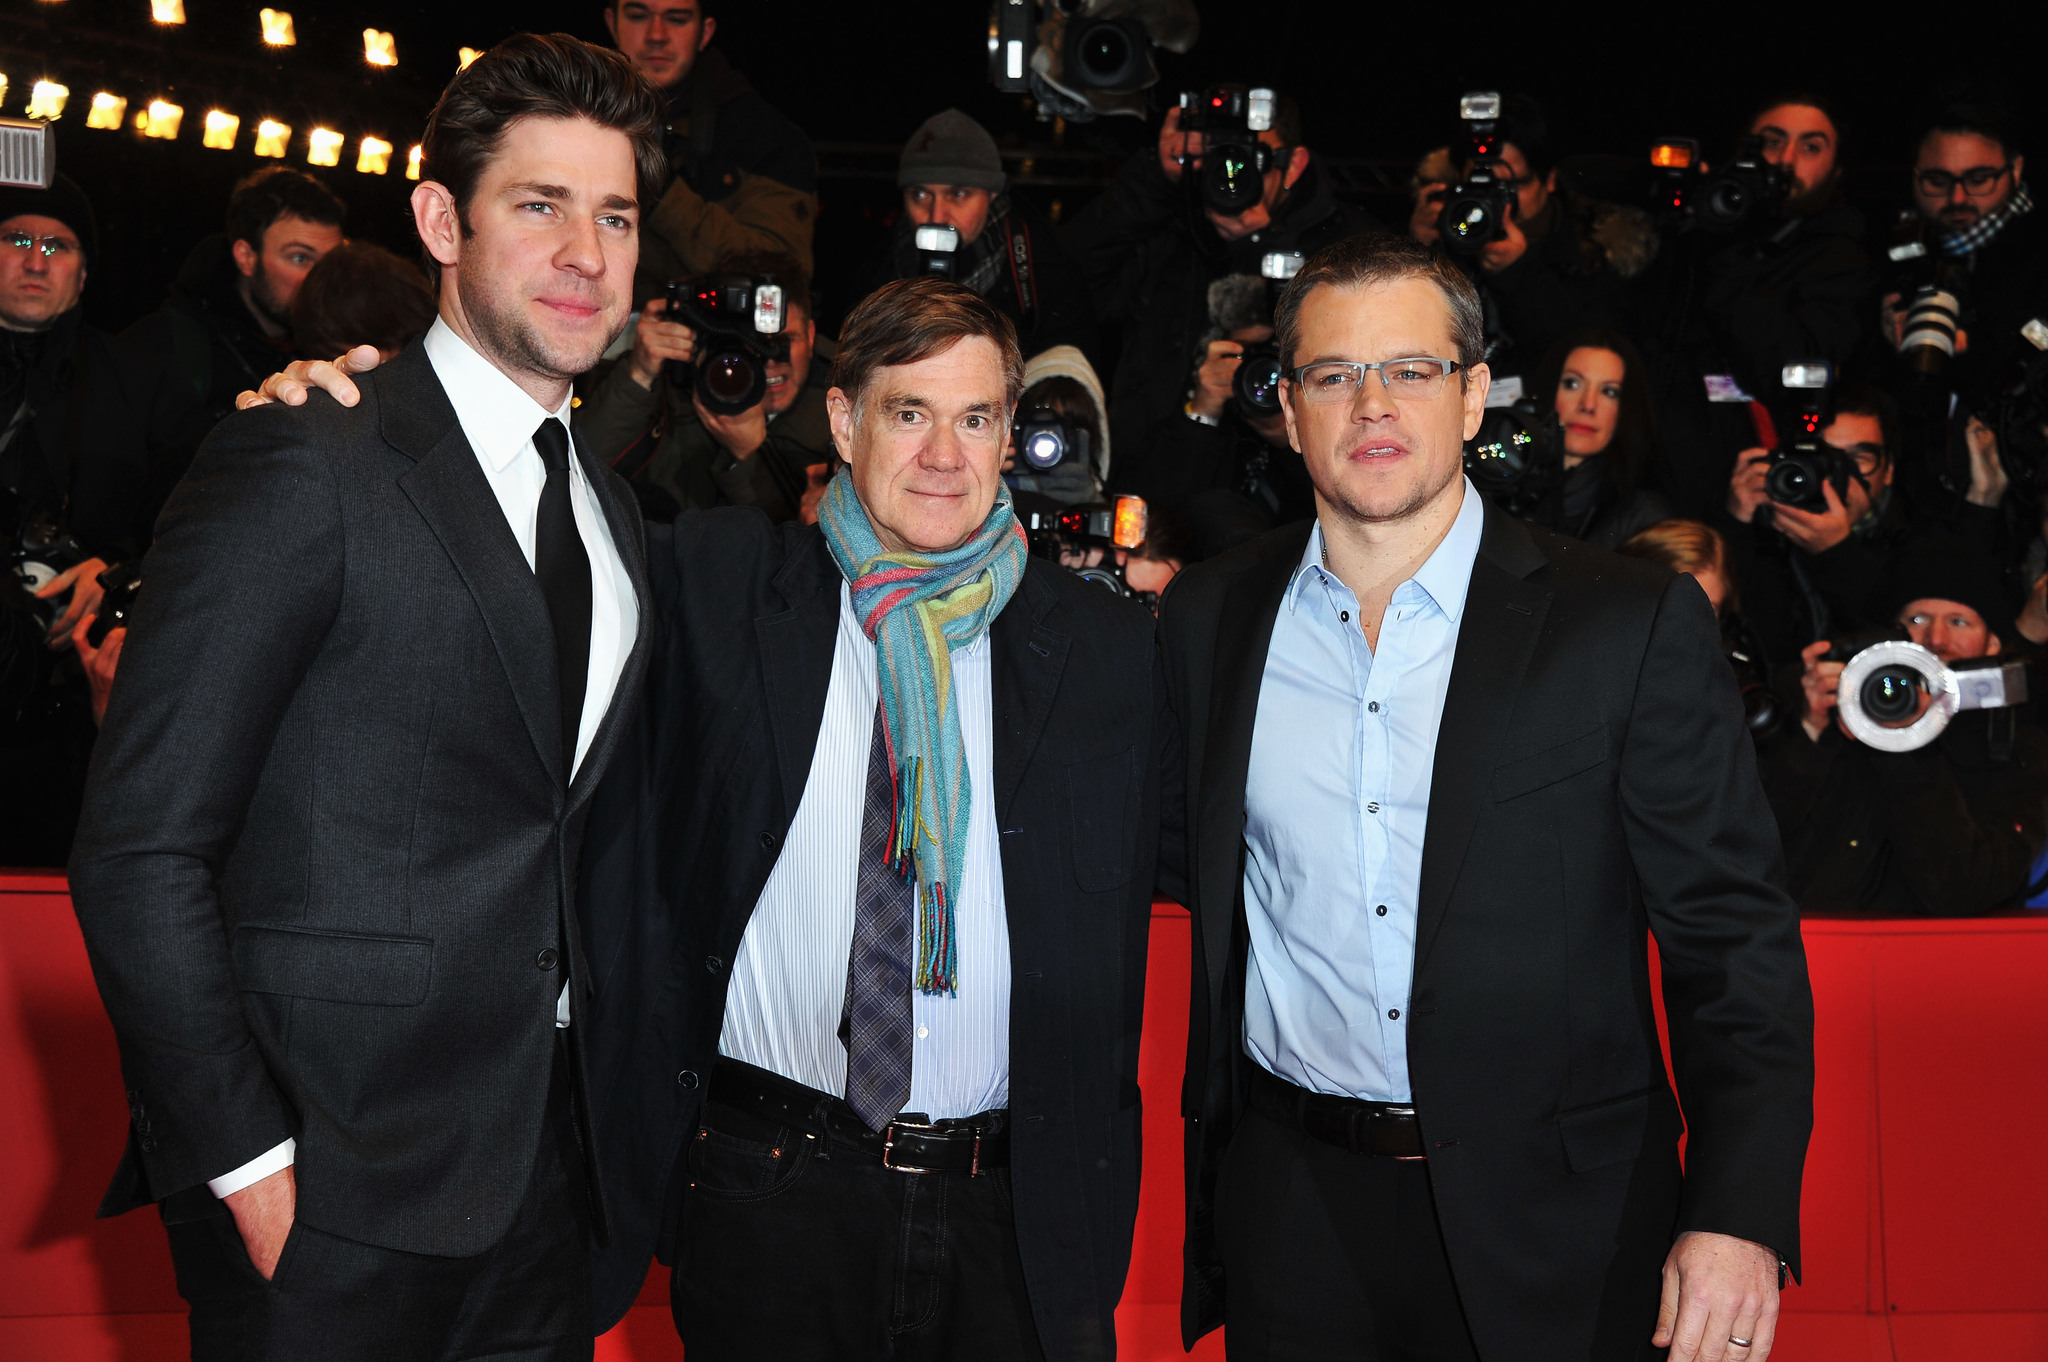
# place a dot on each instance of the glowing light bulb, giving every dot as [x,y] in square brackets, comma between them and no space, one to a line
[272,137]
[108,112]
[167,11]
[412,161]
[162,119]
[379,48]
[46,100]
[465,55]
[324,147]
[373,157]
[220,131]
[277,27]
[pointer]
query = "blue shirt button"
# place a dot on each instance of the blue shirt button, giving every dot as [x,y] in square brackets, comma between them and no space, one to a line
[1374,706]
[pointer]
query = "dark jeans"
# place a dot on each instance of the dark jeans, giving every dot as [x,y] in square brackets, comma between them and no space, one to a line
[791,1248]
[1332,1256]
[527,1298]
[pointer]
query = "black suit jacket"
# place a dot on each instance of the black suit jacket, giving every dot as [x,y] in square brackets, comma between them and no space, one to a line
[1593,780]
[328,831]
[690,822]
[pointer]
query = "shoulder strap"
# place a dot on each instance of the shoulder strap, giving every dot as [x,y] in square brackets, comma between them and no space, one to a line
[1021,275]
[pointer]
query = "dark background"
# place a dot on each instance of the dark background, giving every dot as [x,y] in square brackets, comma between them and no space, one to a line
[1378,84]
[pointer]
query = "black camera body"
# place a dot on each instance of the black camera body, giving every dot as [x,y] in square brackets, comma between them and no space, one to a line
[37,552]
[1072,531]
[119,586]
[1746,191]
[1930,288]
[1234,160]
[1046,439]
[1256,384]
[1764,713]
[739,323]
[1798,472]
[1517,456]
[1475,211]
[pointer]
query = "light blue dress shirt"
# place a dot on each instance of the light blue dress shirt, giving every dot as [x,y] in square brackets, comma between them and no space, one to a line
[1336,807]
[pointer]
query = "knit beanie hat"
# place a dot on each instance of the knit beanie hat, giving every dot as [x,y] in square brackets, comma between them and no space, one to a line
[1944,566]
[951,148]
[64,201]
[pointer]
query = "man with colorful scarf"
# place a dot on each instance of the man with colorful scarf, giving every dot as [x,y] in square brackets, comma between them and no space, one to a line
[870,909]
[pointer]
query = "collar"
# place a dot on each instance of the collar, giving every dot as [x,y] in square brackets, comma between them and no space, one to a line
[1445,576]
[494,412]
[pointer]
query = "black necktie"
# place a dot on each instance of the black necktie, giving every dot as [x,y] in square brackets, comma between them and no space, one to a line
[562,566]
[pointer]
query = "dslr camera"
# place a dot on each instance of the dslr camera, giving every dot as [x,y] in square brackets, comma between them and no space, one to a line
[1256,384]
[1897,696]
[1748,190]
[738,320]
[1046,439]
[1069,533]
[1517,456]
[1798,472]
[1234,160]
[1476,209]
[1928,284]
[38,551]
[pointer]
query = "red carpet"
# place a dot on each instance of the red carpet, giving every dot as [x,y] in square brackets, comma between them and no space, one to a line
[1926,1199]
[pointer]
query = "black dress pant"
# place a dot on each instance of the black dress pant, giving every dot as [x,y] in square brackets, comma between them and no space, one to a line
[336,1300]
[1331,1256]
[793,1247]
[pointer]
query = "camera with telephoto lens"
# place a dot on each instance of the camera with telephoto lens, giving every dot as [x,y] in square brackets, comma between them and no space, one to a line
[1476,209]
[1234,160]
[1896,696]
[1046,439]
[1798,472]
[1517,456]
[1749,189]
[738,320]
[1928,284]
[1072,531]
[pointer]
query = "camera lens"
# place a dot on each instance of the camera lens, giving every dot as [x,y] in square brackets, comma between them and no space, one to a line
[1728,202]
[1469,221]
[1891,694]
[1794,482]
[730,381]
[1231,181]
[1105,55]
[1044,448]
[1257,383]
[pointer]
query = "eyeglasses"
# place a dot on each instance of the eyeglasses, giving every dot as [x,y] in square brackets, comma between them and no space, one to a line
[51,246]
[1977,181]
[1340,380]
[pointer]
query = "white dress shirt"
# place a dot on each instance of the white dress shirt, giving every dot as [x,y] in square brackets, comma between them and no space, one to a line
[1336,809]
[788,988]
[499,419]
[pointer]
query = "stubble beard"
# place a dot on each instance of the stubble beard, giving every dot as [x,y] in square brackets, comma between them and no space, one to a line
[511,339]
[1350,507]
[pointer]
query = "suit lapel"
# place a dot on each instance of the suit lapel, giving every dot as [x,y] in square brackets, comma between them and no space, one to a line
[448,487]
[796,647]
[628,537]
[1504,616]
[1026,658]
[1244,633]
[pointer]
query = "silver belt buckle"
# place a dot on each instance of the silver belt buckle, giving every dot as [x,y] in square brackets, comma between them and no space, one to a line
[889,1146]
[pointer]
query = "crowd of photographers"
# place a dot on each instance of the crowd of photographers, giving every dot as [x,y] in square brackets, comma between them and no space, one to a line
[1839,426]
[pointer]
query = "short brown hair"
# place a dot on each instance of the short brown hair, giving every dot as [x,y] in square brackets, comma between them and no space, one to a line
[1681,545]
[360,294]
[1380,258]
[540,75]
[913,319]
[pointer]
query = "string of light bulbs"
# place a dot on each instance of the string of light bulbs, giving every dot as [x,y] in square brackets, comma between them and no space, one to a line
[220,130]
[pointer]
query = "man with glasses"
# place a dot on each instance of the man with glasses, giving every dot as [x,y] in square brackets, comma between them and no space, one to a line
[84,464]
[1446,773]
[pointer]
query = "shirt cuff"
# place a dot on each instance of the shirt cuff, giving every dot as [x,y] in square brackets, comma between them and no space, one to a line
[255,1170]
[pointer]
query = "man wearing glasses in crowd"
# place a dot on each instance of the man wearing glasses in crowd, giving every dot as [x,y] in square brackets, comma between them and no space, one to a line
[1446,772]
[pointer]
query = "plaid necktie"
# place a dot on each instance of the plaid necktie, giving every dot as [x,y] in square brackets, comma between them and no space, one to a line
[878,967]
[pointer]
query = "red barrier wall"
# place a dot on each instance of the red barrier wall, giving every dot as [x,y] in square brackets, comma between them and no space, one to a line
[1925,1201]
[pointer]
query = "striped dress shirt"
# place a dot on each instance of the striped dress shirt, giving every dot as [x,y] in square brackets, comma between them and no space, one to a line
[788,988]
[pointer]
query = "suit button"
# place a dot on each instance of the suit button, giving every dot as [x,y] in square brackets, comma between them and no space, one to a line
[547,959]
[687,1078]
[769,841]
[713,963]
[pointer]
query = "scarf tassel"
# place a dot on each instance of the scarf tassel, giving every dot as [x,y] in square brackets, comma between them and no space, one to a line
[937,954]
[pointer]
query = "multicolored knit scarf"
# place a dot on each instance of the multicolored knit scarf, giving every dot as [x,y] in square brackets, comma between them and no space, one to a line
[919,607]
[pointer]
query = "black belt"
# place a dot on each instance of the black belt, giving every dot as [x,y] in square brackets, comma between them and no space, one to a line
[910,1144]
[1379,1128]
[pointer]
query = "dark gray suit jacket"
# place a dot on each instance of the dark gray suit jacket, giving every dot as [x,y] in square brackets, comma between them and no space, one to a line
[328,832]
[1593,785]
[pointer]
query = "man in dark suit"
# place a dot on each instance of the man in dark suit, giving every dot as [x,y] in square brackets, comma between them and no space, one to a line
[861,1119]
[326,867]
[1444,773]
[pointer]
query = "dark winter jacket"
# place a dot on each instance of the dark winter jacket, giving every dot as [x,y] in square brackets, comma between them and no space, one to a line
[1573,277]
[216,346]
[1590,508]
[1150,255]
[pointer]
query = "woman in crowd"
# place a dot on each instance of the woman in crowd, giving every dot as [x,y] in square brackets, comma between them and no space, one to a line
[1602,401]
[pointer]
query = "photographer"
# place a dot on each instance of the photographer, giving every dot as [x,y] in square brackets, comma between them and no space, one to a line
[1949,830]
[1151,245]
[1805,574]
[951,175]
[649,424]
[1600,394]
[1061,384]
[1226,469]
[1725,307]
[745,178]
[228,317]
[1551,272]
